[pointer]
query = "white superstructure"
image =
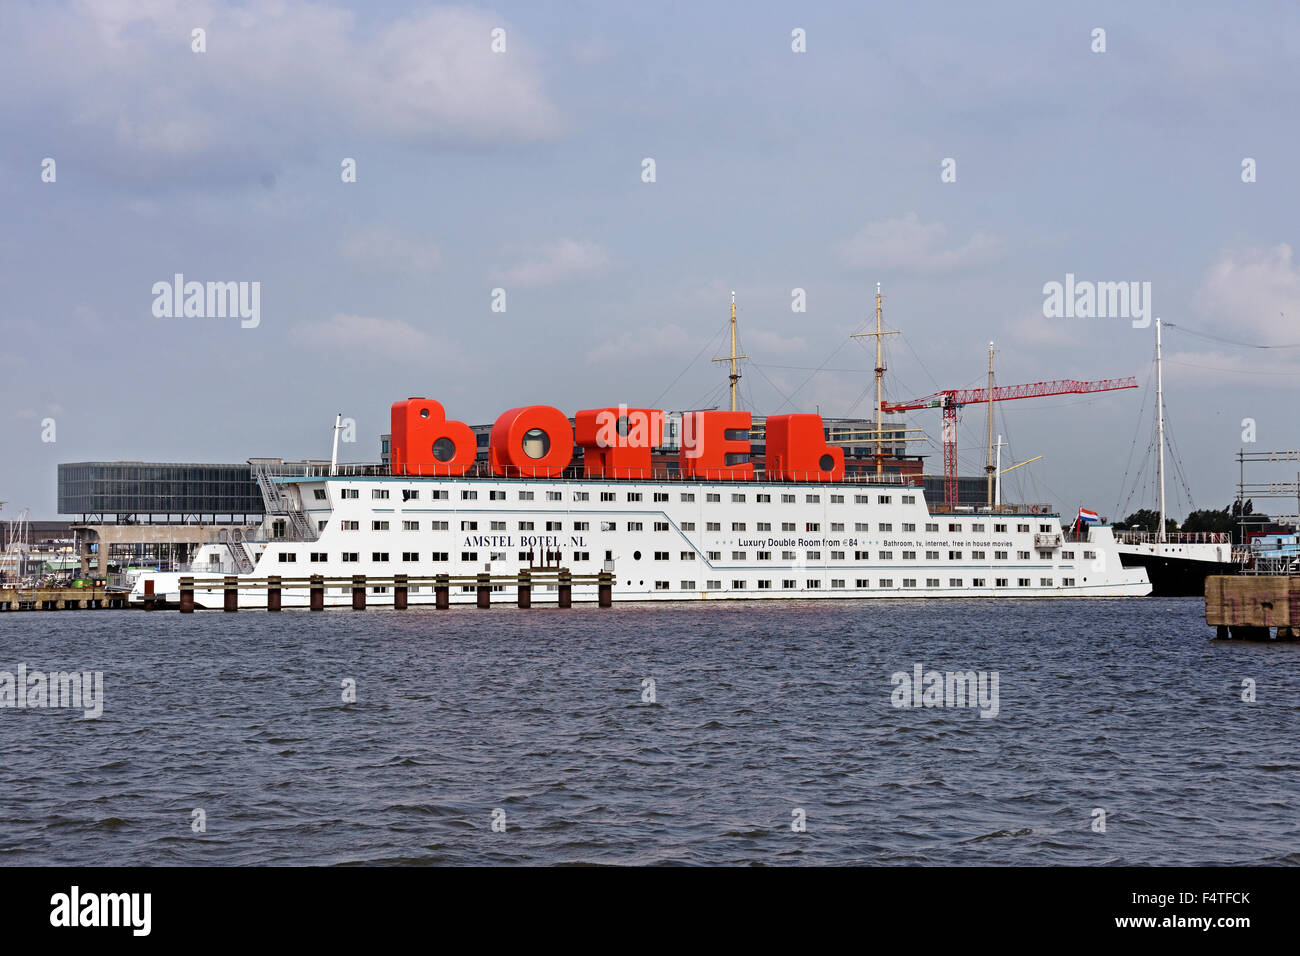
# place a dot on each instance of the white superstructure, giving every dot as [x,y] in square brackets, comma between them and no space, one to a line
[669,539]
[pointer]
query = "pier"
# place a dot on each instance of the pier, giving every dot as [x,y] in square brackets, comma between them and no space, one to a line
[60,599]
[1248,606]
[562,580]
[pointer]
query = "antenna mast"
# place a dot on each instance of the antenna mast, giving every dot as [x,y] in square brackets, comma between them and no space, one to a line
[880,377]
[734,376]
[1160,433]
[990,468]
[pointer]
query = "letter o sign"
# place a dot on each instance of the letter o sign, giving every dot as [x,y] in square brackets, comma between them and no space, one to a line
[535,441]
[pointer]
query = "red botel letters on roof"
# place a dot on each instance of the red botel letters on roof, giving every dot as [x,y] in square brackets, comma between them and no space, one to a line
[534,441]
[616,442]
[797,450]
[424,442]
[707,443]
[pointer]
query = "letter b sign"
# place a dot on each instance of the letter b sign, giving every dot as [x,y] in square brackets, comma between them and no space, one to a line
[424,442]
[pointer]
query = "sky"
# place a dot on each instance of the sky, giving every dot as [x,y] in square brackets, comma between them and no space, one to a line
[962,155]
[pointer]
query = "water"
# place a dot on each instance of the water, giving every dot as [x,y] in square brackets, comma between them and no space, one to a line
[761,709]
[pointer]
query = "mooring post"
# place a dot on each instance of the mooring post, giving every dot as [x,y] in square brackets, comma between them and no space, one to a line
[187,595]
[148,594]
[606,589]
[358,592]
[317,600]
[232,593]
[484,590]
[441,592]
[273,593]
[566,588]
[525,589]
[399,592]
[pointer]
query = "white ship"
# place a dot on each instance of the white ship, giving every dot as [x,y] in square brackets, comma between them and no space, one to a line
[663,540]
[679,513]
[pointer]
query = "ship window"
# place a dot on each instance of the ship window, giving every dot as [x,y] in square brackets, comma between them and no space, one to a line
[536,443]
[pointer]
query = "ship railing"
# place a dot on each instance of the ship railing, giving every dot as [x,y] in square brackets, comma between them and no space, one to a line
[206,567]
[572,473]
[1173,537]
[1010,509]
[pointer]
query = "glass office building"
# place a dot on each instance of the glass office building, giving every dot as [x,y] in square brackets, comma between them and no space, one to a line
[142,490]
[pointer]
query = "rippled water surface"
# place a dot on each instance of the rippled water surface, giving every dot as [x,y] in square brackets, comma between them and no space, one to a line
[760,710]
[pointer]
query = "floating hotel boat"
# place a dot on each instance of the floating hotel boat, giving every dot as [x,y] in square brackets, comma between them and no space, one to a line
[707,524]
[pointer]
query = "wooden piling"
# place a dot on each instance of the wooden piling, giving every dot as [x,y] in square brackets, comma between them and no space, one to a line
[148,595]
[317,593]
[484,590]
[566,588]
[441,592]
[605,589]
[187,595]
[232,593]
[273,593]
[525,589]
[358,592]
[399,592]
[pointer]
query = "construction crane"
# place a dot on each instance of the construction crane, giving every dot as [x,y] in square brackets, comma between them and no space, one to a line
[951,400]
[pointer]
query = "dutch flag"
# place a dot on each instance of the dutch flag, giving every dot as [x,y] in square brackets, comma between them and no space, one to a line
[1088,517]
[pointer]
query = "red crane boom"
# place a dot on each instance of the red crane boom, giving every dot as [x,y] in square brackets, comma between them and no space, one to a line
[950,400]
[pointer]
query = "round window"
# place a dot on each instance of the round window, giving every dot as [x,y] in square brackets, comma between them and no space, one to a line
[536,443]
[424,413]
[444,449]
[636,555]
[826,463]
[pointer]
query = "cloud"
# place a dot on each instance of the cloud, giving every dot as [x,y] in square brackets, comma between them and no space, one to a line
[909,245]
[390,340]
[773,343]
[1253,295]
[379,249]
[556,261]
[1034,330]
[645,343]
[118,81]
